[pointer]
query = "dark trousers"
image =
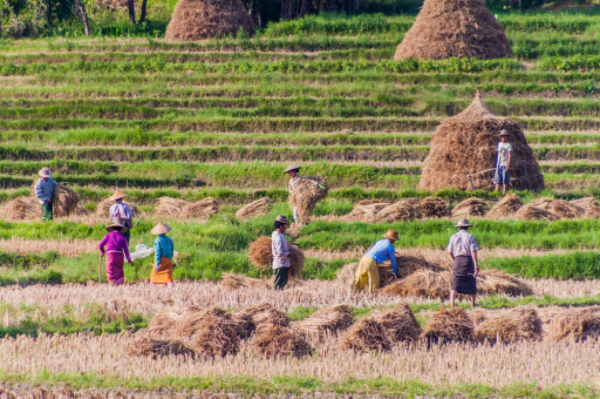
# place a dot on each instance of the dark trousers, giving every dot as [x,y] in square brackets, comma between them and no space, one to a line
[47,211]
[127,235]
[281,278]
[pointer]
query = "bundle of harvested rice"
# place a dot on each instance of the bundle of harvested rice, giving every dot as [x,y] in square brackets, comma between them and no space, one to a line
[22,208]
[433,207]
[399,323]
[511,325]
[65,202]
[345,276]
[233,282]
[575,324]
[565,210]
[421,284]
[264,315]
[366,335]
[243,323]
[200,209]
[261,256]
[329,320]
[453,325]
[491,281]
[365,211]
[144,345]
[307,191]
[169,207]
[162,324]
[103,208]
[257,208]
[274,341]
[468,208]
[399,211]
[589,206]
[506,207]
[372,201]
[530,212]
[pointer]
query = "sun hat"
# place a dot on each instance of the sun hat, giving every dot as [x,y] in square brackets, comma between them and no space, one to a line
[45,172]
[392,235]
[463,223]
[116,226]
[117,195]
[281,219]
[291,168]
[503,132]
[160,228]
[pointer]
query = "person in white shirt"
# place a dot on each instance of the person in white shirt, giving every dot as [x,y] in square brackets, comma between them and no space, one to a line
[293,171]
[281,252]
[502,176]
[463,250]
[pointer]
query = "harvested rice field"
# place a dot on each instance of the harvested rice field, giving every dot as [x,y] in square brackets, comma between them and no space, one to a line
[198,133]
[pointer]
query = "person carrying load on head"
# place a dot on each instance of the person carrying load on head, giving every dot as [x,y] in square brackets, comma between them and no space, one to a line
[463,250]
[162,272]
[367,271]
[502,175]
[292,171]
[281,252]
[116,245]
[44,191]
[121,213]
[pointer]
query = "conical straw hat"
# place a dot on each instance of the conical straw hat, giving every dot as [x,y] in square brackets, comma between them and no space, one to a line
[117,195]
[160,228]
[116,226]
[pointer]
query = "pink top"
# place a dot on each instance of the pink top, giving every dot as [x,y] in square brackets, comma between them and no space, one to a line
[115,241]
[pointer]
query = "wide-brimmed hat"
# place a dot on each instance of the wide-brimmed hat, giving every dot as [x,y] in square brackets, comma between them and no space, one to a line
[392,235]
[160,228]
[45,172]
[116,226]
[504,133]
[281,219]
[463,223]
[117,195]
[291,168]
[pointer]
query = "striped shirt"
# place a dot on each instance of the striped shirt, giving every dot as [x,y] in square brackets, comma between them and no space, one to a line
[163,247]
[462,244]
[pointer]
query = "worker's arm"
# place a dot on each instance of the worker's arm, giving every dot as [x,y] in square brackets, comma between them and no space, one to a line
[451,255]
[474,256]
[392,253]
[508,158]
[126,250]
[102,244]
[450,248]
[38,190]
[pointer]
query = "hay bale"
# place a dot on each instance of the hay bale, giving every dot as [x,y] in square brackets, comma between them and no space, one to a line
[399,323]
[589,206]
[506,207]
[466,144]
[232,282]
[433,207]
[365,211]
[264,315]
[204,19]
[329,320]
[511,325]
[491,281]
[103,208]
[468,208]
[530,212]
[204,208]
[458,28]
[366,335]
[575,325]
[144,345]
[169,207]
[421,284]
[22,208]
[257,208]
[453,325]
[261,256]
[275,341]
[308,190]
[565,210]
[402,210]
[162,324]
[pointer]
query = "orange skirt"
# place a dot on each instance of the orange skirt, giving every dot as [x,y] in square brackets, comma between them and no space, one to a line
[165,275]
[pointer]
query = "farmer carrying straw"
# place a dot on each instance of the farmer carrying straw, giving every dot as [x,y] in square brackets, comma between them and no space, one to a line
[281,252]
[292,171]
[463,250]
[44,191]
[121,213]
[367,271]
[162,272]
[116,245]
[502,175]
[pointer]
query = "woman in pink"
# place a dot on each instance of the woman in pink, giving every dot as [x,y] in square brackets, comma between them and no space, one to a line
[116,245]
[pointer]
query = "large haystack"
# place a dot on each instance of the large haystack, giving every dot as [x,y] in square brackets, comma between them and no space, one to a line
[510,325]
[452,325]
[307,191]
[261,256]
[506,207]
[65,202]
[103,208]
[466,144]
[456,28]
[254,209]
[589,206]
[22,208]
[204,19]
[469,208]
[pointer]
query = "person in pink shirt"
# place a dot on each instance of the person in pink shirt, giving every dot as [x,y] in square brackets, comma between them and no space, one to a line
[116,245]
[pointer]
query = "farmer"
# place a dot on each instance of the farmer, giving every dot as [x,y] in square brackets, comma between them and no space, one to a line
[121,213]
[44,191]
[281,252]
[116,245]
[292,171]
[463,249]
[502,176]
[162,272]
[367,269]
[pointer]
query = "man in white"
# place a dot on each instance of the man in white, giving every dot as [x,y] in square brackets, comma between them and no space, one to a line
[292,171]
[121,213]
[281,252]
[463,250]
[502,176]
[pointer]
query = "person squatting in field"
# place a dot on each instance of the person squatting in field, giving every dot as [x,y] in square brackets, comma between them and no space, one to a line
[116,245]
[367,271]
[502,175]
[162,272]
[281,252]
[292,171]
[463,250]
[44,191]
[121,213]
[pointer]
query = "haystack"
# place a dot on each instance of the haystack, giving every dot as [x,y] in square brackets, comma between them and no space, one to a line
[466,144]
[366,335]
[232,282]
[398,323]
[511,325]
[457,28]
[589,206]
[469,208]
[204,208]
[491,281]
[169,207]
[453,325]
[254,209]
[506,207]
[366,211]
[530,212]
[308,190]
[433,207]
[163,322]
[329,320]
[421,284]
[205,19]
[22,208]
[144,345]
[65,201]
[575,324]
[103,208]
[261,256]
[276,341]
[263,315]
[400,211]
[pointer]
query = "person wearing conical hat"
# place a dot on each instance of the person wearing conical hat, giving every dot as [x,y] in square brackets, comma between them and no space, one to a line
[44,191]
[162,272]
[292,171]
[281,252]
[504,149]
[121,213]
[367,271]
[463,250]
[116,245]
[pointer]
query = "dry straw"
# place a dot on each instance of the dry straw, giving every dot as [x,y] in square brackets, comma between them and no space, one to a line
[453,325]
[575,324]
[274,341]
[263,315]
[398,323]
[511,325]
[431,207]
[103,208]
[530,212]
[400,211]
[169,207]
[329,320]
[589,206]
[232,282]
[22,208]
[307,191]
[506,207]
[457,28]
[261,256]
[366,335]
[366,211]
[204,208]
[254,209]
[144,345]
[469,208]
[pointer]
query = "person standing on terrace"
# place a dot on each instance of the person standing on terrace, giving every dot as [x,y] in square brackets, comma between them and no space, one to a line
[44,191]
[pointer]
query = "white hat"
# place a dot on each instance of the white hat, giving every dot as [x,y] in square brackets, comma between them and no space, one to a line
[160,228]
[45,172]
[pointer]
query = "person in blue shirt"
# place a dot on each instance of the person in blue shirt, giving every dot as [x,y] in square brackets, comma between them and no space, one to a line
[367,271]
[162,272]
[44,191]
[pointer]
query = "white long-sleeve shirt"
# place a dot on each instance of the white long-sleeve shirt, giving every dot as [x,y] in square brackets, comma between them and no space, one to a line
[280,251]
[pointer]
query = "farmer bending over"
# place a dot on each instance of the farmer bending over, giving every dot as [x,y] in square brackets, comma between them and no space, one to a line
[502,176]
[44,191]
[463,249]
[367,271]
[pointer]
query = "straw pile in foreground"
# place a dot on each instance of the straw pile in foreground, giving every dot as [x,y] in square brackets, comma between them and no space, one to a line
[491,281]
[307,191]
[103,208]
[232,282]
[531,212]
[276,341]
[399,211]
[254,209]
[453,325]
[468,208]
[329,320]
[575,324]
[366,211]
[433,207]
[510,325]
[589,206]
[22,208]
[506,207]
[261,256]
[262,316]
[559,208]
[398,323]
[169,207]
[421,284]
[204,208]
[366,335]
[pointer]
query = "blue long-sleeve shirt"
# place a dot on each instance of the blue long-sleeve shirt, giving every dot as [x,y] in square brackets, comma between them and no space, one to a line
[382,251]
[44,190]
[163,246]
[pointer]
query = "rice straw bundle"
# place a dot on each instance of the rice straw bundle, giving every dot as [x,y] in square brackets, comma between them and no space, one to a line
[22,208]
[144,345]
[491,281]
[204,208]
[243,323]
[506,207]
[217,335]
[264,315]
[530,212]
[274,341]
[510,325]
[575,324]
[103,208]
[307,191]
[365,335]
[402,210]
[565,210]
[399,323]
[421,284]
[169,207]
[468,208]
[329,320]
[453,325]
[589,206]
[257,208]
[232,282]
[345,276]
[192,320]
[365,211]
[162,324]
[261,256]
[433,207]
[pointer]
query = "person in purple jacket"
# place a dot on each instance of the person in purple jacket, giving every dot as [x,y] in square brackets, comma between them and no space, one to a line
[116,245]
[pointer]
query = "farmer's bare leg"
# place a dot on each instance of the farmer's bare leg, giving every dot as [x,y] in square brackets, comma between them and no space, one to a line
[452,298]
[474,300]
[503,189]
[497,187]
